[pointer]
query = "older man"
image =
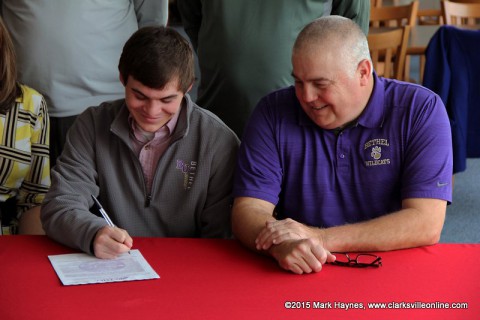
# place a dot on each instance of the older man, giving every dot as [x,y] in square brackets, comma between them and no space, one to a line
[344,160]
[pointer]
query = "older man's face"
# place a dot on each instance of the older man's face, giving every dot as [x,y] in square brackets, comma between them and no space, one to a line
[329,92]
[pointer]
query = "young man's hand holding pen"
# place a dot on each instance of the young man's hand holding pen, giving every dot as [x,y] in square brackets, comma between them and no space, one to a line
[110,241]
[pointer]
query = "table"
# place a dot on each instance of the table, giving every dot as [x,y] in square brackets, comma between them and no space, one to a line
[220,279]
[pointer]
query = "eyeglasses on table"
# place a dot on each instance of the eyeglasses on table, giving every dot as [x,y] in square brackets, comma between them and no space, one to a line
[356,260]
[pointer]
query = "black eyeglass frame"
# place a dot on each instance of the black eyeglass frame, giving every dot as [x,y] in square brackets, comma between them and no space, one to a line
[353,263]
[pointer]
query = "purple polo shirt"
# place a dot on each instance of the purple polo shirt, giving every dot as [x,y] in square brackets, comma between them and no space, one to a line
[400,148]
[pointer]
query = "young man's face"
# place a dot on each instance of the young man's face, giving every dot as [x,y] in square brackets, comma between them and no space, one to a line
[152,108]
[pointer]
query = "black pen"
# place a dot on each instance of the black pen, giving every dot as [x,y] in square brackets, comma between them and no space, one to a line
[102,211]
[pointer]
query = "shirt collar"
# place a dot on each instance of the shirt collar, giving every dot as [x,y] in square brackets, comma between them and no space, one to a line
[374,113]
[165,131]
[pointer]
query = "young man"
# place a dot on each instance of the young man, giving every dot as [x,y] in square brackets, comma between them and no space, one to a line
[347,161]
[159,164]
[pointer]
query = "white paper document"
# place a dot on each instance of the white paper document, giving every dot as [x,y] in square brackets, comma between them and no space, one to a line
[81,268]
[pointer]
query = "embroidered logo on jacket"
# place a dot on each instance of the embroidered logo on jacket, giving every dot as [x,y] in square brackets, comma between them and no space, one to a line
[375,147]
[189,170]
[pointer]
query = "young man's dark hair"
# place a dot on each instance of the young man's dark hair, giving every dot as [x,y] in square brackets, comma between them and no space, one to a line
[169,56]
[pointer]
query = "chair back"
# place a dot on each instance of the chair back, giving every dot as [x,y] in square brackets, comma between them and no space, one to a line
[388,51]
[429,17]
[465,13]
[375,3]
[394,16]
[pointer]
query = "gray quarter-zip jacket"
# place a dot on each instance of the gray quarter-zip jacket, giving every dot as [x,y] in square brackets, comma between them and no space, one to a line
[191,190]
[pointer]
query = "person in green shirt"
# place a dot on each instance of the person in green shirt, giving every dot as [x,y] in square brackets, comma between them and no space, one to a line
[244,47]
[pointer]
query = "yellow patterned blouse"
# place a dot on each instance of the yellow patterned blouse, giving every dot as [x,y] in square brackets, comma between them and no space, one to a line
[24,151]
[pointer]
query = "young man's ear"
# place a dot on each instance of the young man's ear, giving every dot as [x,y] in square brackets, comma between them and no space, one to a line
[189,88]
[120,76]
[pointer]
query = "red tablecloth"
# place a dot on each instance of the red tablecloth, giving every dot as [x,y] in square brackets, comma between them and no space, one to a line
[220,279]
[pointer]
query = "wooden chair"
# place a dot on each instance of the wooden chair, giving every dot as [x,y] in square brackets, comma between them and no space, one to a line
[429,17]
[461,13]
[388,50]
[375,3]
[394,16]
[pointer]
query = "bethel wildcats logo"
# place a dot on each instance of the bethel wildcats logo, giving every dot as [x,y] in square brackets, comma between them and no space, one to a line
[376,152]
[189,171]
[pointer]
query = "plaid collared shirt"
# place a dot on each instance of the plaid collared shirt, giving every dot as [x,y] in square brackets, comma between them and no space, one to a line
[150,148]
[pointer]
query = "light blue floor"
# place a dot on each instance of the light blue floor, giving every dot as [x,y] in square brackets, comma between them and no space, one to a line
[462,224]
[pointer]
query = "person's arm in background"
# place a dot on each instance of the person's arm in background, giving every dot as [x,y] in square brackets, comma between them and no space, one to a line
[151,12]
[29,222]
[191,14]
[37,180]
[358,11]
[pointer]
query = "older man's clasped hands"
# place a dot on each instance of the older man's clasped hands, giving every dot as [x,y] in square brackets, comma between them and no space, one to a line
[296,247]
